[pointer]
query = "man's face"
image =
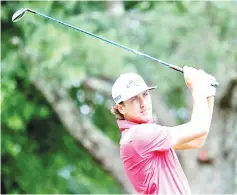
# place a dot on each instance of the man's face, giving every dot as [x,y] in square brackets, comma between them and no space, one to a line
[138,108]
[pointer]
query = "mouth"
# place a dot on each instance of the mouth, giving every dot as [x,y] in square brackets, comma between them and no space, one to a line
[145,111]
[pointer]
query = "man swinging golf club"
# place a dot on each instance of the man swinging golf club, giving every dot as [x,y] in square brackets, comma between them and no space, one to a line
[147,149]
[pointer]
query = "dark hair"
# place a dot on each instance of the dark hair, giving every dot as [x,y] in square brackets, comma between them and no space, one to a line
[116,112]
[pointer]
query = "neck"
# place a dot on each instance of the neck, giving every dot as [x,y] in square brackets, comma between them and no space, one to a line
[152,120]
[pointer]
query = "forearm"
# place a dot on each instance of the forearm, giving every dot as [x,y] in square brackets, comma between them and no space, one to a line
[196,127]
[200,141]
[210,101]
[200,113]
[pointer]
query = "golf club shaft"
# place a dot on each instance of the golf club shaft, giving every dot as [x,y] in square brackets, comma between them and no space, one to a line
[174,67]
[113,43]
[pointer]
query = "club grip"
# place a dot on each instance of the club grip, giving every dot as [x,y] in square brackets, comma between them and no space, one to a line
[179,69]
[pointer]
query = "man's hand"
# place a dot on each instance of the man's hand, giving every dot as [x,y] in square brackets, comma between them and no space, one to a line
[210,90]
[199,81]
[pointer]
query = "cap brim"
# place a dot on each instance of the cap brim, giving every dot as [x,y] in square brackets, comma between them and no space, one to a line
[151,88]
[138,92]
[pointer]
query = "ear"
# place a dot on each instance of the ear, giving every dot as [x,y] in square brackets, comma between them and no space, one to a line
[120,108]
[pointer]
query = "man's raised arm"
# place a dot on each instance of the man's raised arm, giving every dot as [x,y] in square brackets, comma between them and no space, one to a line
[197,143]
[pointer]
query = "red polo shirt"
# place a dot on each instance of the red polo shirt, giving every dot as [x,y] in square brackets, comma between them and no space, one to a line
[149,161]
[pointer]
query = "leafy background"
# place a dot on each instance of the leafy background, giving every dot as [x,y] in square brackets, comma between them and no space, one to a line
[38,153]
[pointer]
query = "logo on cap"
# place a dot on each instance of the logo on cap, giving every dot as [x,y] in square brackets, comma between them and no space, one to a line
[132,83]
[116,99]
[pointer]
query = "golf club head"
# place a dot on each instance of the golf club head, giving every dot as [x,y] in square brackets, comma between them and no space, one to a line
[20,13]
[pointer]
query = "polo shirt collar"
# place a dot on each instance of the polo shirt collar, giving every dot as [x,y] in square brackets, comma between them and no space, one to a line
[124,124]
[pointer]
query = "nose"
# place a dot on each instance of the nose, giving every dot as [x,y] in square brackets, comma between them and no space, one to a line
[141,101]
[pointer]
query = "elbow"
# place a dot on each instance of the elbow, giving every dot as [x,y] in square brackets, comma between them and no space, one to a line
[199,145]
[200,141]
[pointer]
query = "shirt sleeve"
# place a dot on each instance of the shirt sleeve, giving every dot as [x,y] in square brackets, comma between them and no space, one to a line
[149,138]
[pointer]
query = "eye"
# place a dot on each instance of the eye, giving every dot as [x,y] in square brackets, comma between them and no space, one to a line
[134,99]
[145,93]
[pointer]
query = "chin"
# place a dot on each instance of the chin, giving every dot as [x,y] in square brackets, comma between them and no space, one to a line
[146,119]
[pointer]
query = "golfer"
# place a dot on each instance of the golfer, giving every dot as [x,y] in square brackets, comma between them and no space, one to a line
[148,149]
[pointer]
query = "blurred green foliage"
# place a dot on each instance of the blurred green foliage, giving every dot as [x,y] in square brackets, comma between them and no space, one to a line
[38,154]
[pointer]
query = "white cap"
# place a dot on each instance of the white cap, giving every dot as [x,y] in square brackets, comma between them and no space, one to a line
[127,86]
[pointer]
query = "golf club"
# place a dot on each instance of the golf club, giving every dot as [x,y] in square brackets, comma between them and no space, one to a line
[21,12]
